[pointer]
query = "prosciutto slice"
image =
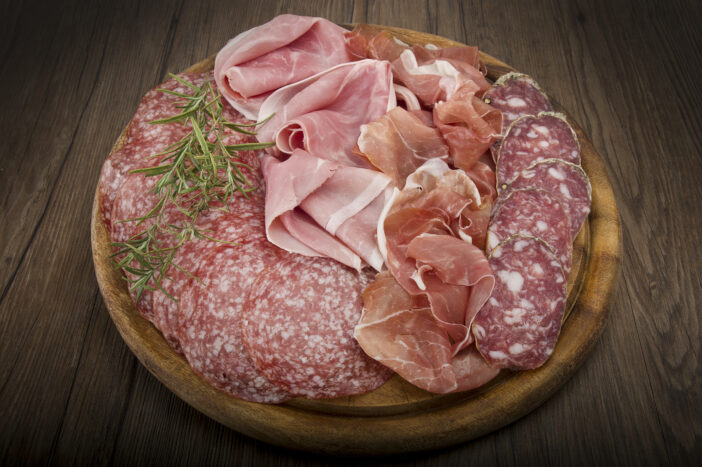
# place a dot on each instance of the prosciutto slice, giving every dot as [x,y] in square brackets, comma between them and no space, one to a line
[324,113]
[468,125]
[285,50]
[428,251]
[398,143]
[399,330]
[317,207]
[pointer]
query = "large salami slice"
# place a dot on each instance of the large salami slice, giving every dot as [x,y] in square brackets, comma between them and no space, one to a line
[531,139]
[241,223]
[519,325]
[209,325]
[535,212]
[516,95]
[567,182]
[144,139]
[298,328]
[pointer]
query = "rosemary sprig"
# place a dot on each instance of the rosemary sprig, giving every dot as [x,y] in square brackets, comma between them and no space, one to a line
[194,173]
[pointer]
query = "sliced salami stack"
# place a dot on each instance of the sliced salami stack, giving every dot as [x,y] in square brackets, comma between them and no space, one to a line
[544,198]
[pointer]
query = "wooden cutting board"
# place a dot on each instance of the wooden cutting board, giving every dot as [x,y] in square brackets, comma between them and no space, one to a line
[397,417]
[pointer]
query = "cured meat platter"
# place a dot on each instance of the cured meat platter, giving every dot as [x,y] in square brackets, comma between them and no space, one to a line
[397,417]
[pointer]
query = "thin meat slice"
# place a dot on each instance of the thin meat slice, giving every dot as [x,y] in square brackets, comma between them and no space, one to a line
[519,325]
[535,138]
[323,114]
[298,329]
[535,212]
[399,330]
[209,324]
[398,143]
[285,50]
[516,95]
[567,182]
[468,125]
[242,222]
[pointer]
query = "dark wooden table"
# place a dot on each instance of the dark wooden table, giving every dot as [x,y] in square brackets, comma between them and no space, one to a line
[71,75]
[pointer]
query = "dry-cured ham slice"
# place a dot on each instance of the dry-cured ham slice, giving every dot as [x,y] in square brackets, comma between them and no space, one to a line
[516,95]
[285,50]
[530,211]
[535,138]
[567,182]
[399,330]
[298,329]
[468,125]
[324,113]
[430,254]
[519,325]
[398,143]
[317,207]
[209,324]
[367,42]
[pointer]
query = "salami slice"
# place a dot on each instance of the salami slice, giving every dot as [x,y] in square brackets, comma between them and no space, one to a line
[519,325]
[530,211]
[516,95]
[209,325]
[298,328]
[567,182]
[531,139]
[242,223]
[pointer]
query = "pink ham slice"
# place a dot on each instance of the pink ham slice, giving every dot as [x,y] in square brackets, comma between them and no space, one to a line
[399,330]
[324,113]
[317,207]
[285,50]
[398,143]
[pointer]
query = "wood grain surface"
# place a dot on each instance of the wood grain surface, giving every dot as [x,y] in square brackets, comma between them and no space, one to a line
[71,75]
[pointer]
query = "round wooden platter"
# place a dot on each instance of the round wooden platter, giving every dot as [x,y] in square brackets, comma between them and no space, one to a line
[397,417]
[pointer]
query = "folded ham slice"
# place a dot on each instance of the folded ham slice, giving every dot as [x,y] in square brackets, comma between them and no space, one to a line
[323,114]
[317,207]
[398,143]
[399,330]
[423,238]
[285,50]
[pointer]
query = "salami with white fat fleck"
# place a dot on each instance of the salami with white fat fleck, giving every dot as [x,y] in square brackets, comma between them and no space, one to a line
[209,325]
[516,95]
[531,211]
[531,139]
[519,325]
[298,328]
[567,182]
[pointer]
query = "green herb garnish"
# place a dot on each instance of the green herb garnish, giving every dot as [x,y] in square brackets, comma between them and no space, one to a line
[194,173]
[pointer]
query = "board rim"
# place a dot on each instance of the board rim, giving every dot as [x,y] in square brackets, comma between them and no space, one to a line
[429,428]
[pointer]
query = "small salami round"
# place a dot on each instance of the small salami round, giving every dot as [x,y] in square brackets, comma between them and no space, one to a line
[298,328]
[531,139]
[567,182]
[209,323]
[530,211]
[516,95]
[519,325]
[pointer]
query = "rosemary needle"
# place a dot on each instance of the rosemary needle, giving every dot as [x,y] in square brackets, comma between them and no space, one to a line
[193,174]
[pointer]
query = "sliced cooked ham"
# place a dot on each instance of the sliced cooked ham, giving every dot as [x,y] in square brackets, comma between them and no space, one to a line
[324,113]
[285,50]
[317,207]
[398,143]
